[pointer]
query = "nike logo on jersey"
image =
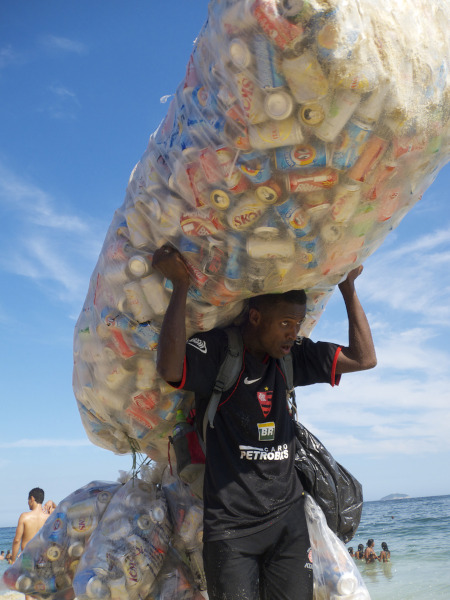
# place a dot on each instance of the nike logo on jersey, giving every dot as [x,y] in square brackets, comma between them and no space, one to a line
[199,344]
[248,381]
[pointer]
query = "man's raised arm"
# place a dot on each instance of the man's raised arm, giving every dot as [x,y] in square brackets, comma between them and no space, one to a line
[360,352]
[172,340]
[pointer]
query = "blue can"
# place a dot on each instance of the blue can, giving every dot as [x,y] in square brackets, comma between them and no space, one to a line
[255,166]
[308,255]
[233,268]
[294,217]
[291,158]
[350,143]
[267,64]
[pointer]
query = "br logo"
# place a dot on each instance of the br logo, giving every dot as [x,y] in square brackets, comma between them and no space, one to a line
[266,432]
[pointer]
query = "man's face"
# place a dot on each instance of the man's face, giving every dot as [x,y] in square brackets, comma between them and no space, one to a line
[277,327]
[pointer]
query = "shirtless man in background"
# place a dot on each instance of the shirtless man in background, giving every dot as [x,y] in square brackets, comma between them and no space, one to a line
[29,522]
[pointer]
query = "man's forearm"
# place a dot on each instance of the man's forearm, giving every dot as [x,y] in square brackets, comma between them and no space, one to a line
[361,348]
[15,549]
[172,339]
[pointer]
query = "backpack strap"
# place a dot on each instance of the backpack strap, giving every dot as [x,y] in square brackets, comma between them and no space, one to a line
[288,372]
[227,375]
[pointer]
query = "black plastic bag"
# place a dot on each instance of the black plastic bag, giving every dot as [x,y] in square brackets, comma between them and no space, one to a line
[335,490]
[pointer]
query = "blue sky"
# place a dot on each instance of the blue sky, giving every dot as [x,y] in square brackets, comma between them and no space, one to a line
[80,90]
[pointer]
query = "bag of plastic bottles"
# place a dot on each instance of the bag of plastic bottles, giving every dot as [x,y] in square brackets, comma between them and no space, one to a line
[126,552]
[47,565]
[336,576]
[302,133]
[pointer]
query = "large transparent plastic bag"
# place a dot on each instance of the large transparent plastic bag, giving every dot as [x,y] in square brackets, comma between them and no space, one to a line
[126,552]
[302,133]
[47,565]
[336,576]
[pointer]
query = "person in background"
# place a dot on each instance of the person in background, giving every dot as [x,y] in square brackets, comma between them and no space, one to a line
[385,555]
[350,551]
[370,555]
[8,557]
[359,554]
[29,522]
[2,555]
[255,533]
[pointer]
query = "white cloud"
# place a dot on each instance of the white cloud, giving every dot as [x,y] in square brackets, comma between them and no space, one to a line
[45,243]
[8,56]
[63,44]
[61,103]
[45,443]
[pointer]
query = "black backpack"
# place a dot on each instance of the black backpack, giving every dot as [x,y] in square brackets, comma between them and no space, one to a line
[335,490]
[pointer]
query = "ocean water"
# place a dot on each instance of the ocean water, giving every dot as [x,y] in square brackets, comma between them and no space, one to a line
[417,531]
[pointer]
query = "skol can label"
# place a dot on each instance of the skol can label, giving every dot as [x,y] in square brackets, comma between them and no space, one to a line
[245,213]
[301,155]
[251,98]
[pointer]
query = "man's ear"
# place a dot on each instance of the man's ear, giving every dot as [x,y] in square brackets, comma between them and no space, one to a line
[254,317]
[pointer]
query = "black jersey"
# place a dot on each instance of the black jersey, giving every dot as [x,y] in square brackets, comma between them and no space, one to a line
[249,478]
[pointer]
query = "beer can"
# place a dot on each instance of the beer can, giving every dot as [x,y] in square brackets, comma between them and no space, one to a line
[342,106]
[234,179]
[312,114]
[305,77]
[203,316]
[276,248]
[200,224]
[213,257]
[139,265]
[154,293]
[189,248]
[219,199]
[238,18]
[210,165]
[388,204]
[294,217]
[256,273]
[116,376]
[269,192]
[245,213]
[267,64]
[118,251]
[346,200]
[233,268]
[309,182]
[137,228]
[146,400]
[273,134]
[97,589]
[350,144]
[76,549]
[251,98]
[308,252]
[137,302]
[369,158]
[283,33]
[82,526]
[198,182]
[278,105]
[54,552]
[239,53]
[371,105]
[145,336]
[289,158]
[59,528]
[331,232]
[116,273]
[145,373]
[255,166]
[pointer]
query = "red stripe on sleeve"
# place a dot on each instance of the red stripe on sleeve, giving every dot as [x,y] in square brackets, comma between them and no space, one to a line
[335,379]
[179,386]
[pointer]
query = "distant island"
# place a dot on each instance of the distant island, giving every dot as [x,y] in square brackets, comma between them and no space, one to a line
[395,497]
